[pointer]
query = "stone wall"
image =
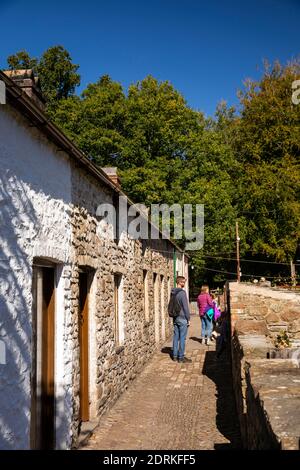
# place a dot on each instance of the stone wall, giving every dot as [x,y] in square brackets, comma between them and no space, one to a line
[264,310]
[267,391]
[116,366]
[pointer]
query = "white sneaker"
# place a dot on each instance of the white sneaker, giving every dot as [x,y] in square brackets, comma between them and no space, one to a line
[208,341]
[214,336]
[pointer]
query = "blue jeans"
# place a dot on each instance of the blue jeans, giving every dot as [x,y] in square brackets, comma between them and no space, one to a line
[180,331]
[206,326]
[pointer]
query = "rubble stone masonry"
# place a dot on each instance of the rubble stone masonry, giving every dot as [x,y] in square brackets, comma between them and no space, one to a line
[266,382]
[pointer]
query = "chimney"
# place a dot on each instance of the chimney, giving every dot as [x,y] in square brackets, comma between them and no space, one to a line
[112,175]
[26,80]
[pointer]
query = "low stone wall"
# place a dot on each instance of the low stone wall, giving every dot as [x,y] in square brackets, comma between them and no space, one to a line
[264,310]
[267,391]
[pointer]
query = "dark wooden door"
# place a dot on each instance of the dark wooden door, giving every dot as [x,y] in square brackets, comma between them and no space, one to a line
[43,381]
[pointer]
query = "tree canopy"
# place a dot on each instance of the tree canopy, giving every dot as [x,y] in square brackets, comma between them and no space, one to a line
[242,164]
[58,75]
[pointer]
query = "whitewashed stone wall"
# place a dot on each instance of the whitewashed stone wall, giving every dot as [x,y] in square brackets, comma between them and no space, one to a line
[35,191]
[48,209]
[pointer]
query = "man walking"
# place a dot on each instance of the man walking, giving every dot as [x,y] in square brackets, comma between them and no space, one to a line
[181,321]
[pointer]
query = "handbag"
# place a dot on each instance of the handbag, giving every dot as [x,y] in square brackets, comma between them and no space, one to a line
[209,311]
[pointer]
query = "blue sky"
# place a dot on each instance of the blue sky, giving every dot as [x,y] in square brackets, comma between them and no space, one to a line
[206,49]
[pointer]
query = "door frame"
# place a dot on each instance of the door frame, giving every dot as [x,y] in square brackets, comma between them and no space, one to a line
[43,373]
[86,344]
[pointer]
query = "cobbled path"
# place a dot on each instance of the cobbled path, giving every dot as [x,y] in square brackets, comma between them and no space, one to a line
[172,406]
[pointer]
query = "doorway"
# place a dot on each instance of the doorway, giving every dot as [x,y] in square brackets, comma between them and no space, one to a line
[84,294]
[43,367]
[156,307]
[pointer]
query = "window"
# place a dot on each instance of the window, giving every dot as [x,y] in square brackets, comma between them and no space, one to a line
[118,304]
[162,307]
[156,306]
[146,294]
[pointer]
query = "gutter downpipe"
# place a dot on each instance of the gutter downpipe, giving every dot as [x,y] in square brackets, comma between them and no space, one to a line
[174,266]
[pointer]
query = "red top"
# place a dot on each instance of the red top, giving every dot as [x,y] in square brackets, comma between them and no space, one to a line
[203,301]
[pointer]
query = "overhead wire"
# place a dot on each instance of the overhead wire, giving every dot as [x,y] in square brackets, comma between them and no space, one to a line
[249,275]
[249,260]
[230,259]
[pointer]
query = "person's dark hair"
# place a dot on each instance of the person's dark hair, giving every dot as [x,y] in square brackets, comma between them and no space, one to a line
[179,279]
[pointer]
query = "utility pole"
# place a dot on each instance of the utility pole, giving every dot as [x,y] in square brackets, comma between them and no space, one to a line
[238,270]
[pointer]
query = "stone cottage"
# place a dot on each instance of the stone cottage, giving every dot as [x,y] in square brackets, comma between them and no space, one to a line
[80,312]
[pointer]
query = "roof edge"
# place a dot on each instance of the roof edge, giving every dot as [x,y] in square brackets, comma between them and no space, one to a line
[20,100]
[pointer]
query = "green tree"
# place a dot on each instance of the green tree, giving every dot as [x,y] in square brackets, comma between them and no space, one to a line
[21,60]
[96,120]
[242,165]
[269,127]
[58,75]
[266,142]
[159,123]
[165,151]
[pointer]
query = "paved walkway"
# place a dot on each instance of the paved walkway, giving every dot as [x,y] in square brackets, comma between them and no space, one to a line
[174,406]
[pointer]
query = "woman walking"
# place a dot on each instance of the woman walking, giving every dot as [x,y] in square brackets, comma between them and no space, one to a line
[205,303]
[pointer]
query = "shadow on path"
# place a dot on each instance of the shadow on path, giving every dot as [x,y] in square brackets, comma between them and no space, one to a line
[219,370]
[193,338]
